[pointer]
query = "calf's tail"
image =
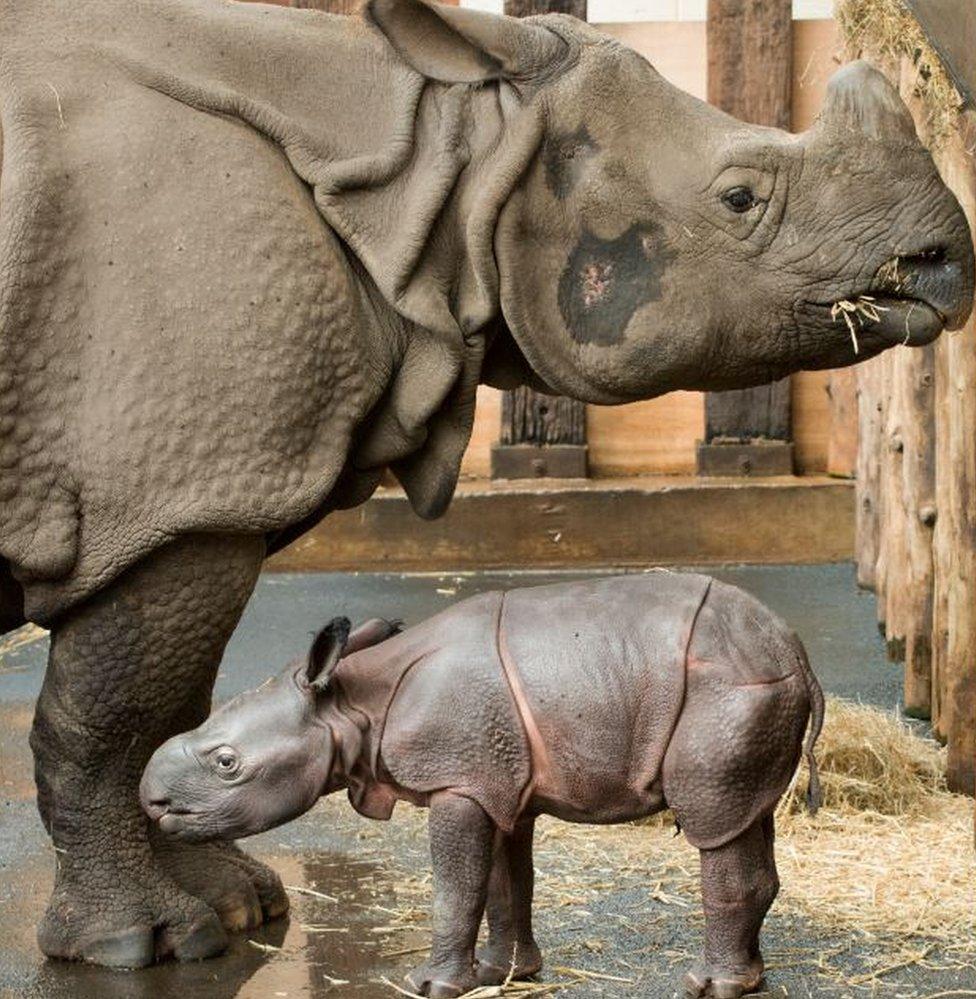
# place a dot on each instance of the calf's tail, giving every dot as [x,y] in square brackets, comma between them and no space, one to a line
[815,693]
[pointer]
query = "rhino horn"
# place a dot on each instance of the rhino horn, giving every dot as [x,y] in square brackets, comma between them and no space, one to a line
[860,99]
[461,45]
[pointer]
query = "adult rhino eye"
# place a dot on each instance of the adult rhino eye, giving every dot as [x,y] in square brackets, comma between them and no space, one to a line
[226,762]
[739,199]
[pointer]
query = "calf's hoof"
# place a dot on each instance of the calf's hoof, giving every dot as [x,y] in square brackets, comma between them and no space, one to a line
[724,983]
[129,927]
[441,982]
[494,963]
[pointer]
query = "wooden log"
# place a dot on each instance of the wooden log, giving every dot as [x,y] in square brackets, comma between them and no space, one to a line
[916,372]
[957,497]
[867,485]
[895,515]
[750,75]
[881,567]
[842,445]
[542,436]
[942,543]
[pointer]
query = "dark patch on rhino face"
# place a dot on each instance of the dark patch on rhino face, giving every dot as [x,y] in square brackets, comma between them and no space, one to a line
[564,157]
[606,281]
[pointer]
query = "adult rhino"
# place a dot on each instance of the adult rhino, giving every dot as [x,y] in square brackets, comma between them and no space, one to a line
[250,257]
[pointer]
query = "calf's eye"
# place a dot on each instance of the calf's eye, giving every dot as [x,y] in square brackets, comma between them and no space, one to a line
[739,199]
[226,762]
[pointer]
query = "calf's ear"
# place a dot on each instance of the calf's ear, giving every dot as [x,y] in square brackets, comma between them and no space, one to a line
[325,653]
[459,45]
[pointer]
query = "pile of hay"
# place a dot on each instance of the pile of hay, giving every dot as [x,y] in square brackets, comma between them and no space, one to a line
[890,855]
[872,761]
[886,30]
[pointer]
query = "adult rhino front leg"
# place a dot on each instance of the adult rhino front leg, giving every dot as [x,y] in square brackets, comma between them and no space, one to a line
[129,668]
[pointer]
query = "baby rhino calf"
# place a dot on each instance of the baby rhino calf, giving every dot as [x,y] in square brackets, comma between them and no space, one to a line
[601,701]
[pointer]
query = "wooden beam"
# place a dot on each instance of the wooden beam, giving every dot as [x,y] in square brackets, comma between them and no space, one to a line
[542,436]
[870,418]
[639,521]
[330,6]
[955,489]
[842,446]
[750,75]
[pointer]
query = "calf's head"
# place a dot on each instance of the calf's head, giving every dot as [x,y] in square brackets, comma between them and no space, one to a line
[651,242]
[262,758]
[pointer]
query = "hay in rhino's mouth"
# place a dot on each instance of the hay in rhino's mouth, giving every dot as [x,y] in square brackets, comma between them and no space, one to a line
[905,303]
[895,319]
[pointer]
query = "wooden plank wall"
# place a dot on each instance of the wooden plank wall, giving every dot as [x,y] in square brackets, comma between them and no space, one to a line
[659,436]
[916,519]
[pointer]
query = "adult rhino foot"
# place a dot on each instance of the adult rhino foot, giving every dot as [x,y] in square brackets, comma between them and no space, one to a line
[128,921]
[494,963]
[241,890]
[724,983]
[441,982]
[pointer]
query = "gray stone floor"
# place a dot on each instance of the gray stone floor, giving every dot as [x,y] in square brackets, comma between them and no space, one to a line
[614,927]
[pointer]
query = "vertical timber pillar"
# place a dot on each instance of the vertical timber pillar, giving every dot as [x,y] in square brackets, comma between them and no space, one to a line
[750,75]
[542,436]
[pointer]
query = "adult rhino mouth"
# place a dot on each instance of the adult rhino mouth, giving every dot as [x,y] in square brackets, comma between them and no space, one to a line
[910,301]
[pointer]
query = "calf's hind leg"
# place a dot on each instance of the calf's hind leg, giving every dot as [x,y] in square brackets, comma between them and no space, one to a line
[461,846]
[128,668]
[511,948]
[739,883]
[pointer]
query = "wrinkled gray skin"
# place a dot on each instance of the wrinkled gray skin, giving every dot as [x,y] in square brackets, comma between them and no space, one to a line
[601,701]
[250,257]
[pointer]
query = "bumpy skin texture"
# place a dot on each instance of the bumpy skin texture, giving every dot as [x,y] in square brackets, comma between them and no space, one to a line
[600,701]
[122,679]
[250,257]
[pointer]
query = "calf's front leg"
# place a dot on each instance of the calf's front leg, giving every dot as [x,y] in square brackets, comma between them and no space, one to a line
[461,847]
[511,949]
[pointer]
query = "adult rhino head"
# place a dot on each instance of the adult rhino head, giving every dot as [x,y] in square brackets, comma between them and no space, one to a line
[655,243]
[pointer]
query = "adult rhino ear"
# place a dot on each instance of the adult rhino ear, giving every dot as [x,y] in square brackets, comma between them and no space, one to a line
[325,653]
[458,45]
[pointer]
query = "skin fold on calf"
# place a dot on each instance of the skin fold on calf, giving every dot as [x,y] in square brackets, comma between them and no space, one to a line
[599,702]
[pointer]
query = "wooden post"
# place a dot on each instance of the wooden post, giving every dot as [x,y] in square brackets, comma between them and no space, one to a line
[541,435]
[916,372]
[750,75]
[894,514]
[956,491]
[942,542]
[867,485]
[881,566]
[842,446]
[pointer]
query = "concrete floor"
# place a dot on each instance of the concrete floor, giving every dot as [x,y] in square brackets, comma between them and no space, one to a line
[617,929]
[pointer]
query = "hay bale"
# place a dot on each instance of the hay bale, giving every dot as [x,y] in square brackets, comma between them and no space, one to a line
[872,761]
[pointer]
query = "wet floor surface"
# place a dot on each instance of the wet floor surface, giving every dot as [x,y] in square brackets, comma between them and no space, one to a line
[360,889]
